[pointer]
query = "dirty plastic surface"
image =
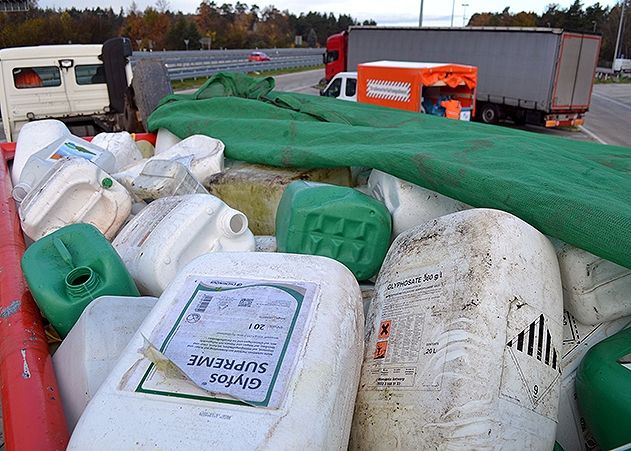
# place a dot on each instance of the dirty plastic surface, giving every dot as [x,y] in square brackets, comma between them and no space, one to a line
[93,346]
[594,290]
[75,191]
[164,178]
[572,432]
[603,389]
[256,189]
[172,231]
[69,268]
[463,339]
[221,294]
[336,222]
[410,205]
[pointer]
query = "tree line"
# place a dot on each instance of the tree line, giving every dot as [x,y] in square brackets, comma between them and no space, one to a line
[240,25]
[596,18]
[158,28]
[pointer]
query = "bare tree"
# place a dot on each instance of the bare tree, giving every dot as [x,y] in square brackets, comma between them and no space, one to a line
[163,5]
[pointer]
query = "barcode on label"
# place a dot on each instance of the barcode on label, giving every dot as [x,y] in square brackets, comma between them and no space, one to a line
[245,302]
[203,304]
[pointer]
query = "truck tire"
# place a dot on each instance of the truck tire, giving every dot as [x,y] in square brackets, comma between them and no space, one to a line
[489,113]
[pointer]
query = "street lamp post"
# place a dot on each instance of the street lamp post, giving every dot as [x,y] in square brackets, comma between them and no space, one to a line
[453,9]
[464,13]
[615,53]
[420,16]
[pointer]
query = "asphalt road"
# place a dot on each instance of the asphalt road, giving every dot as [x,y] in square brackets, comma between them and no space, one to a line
[609,116]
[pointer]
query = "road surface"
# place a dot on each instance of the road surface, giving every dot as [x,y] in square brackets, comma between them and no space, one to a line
[609,116]
[608,121]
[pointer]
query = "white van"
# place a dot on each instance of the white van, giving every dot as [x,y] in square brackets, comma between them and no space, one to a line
[343,86]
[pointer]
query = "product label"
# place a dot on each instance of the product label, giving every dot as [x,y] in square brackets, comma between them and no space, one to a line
[403,351]
[69,149]
[238,340]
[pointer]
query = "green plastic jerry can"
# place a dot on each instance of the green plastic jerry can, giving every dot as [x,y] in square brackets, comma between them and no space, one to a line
[69,268]
[603,390]
[334,221]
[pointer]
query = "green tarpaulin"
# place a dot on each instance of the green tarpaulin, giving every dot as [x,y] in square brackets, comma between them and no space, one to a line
[579,192]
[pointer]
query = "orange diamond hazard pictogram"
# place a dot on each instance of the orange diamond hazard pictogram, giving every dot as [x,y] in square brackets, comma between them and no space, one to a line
[384,330]
[380,350]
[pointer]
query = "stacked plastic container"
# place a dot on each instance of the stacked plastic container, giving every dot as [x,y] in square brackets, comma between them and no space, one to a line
[474,330]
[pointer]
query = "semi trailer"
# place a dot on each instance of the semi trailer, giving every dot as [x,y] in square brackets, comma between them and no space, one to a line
[541,76]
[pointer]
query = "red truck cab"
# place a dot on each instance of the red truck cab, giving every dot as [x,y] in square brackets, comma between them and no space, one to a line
[335,56]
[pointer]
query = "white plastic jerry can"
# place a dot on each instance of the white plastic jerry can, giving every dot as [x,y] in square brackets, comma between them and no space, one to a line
[163,178]
[172,231]
[33,137]
[200,154]
[409,205]
[463,339]
[243,351]
[68,146]
[572,433]
[74,191]
[93,346]
[595,290]
[121,145]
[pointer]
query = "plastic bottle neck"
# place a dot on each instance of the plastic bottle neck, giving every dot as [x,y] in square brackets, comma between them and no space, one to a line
[232,223]
[82,281]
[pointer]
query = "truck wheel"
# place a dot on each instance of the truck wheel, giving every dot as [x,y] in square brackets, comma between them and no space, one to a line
[489,114]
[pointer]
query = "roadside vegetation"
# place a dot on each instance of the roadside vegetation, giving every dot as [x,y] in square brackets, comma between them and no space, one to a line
[610,80]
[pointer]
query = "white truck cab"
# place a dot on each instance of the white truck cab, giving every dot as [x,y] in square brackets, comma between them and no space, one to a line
[88,87]
[343,86]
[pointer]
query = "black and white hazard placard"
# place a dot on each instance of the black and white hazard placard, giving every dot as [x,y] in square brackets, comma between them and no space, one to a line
[531,369]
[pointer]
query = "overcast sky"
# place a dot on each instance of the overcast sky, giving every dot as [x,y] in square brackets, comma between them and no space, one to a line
[393,12]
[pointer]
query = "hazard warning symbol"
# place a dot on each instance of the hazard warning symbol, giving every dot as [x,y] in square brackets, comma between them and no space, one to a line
[380,350]
[532,360]
[384,330]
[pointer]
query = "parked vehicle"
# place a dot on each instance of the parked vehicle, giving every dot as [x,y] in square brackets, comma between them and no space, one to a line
[541,76]
[621,65]
[89,87]
[342,87]
[440,89]
[258,56]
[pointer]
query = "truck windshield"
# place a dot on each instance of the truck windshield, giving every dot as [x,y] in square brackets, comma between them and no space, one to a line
[36,77]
